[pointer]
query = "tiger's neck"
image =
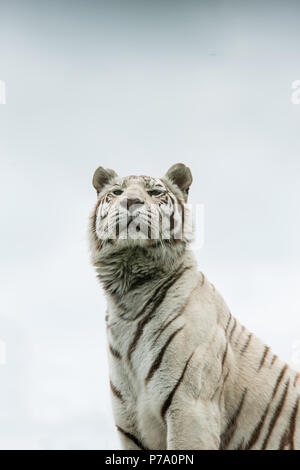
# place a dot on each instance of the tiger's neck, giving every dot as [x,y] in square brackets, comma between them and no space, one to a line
[131,275]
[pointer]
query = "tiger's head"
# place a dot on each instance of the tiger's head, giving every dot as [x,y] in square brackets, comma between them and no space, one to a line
[141,210]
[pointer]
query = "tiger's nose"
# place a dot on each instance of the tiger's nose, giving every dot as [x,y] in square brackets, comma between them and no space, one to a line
[131,201]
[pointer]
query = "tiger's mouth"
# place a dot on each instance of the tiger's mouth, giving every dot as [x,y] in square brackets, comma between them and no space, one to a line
[137,226]
[130,219]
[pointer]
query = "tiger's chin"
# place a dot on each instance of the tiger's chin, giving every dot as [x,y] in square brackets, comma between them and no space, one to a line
[137,242]
[160,248]
[132,242]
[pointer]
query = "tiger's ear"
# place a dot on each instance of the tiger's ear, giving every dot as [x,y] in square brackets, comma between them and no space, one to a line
[180,175]
[103,176]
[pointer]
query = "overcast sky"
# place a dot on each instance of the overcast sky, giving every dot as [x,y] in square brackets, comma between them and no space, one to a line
[137,86]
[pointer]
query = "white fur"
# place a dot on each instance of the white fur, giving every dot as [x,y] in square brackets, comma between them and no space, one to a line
[232,393]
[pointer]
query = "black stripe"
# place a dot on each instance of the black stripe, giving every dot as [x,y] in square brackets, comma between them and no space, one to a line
[284,441]
[132,438]
[116,392]
[137,335]
[160,293]
[279,379]
[224,355]
[140,281]
[160,286]
[227,435]
[293,423]
[97,241]
[114,352]
[172,222]
[276,415]
[228,322]
[256,433]
[161,330]
[273,360]
[266,350]
[288,436]
[160,356]
[169,399]
[244,348]
[150,315]
[158,332]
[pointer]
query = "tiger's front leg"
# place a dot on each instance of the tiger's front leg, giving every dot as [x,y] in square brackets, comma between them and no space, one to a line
[129,440]
[193,426]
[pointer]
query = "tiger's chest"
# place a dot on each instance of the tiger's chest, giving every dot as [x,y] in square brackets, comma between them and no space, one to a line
[139,367]
[148,348]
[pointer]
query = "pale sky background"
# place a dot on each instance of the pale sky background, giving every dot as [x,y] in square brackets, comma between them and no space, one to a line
[137,86]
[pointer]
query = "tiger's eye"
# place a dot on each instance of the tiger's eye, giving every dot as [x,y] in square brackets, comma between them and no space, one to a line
[155,192]
[117,192]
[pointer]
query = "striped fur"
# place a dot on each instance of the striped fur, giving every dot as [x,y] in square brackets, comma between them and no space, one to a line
[184,373]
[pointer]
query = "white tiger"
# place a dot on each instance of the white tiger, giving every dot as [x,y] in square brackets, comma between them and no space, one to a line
[184,374]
